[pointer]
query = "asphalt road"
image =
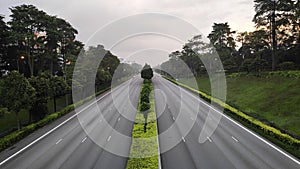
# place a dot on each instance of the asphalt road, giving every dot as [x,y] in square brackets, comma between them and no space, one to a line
[181,116]
[70,147]
[230,146]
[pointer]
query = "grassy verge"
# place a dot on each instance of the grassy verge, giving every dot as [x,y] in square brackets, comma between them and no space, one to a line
[144,147]
[16,136]
[276,136]
[273,98]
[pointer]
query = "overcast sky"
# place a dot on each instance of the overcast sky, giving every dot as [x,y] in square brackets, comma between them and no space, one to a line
[88,16]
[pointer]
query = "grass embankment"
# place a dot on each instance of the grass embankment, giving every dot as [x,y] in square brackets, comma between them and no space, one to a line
[258,95]
[144,146]
[273,98]
[16,136]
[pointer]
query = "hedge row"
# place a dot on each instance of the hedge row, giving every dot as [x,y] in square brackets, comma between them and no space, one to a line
[145,95]
[16,136]
[271,131]
[285,74]
[144,148]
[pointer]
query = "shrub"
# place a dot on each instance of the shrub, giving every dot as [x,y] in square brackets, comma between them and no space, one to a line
[144,106]
[287,66]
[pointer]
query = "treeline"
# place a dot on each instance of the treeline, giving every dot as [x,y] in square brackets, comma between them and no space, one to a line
[274,45]
[37,59]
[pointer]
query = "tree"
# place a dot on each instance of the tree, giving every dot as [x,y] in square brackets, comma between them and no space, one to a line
[3,42]
[254,44]
[27,23]
[222,39]
[16,94]
[39,105]
[273,15]
[58,87]
[147,72]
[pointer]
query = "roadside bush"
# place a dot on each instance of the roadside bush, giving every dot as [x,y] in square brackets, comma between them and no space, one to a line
[287,66]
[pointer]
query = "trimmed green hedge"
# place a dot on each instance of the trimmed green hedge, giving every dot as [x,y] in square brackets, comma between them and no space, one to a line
[16,136]
[140,148]
[254,123]
[286,74]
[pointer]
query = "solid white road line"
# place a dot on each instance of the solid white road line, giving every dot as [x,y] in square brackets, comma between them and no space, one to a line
[53,129]
[236,123]
[58,141]
[83,140]
[234,139]
[119,119]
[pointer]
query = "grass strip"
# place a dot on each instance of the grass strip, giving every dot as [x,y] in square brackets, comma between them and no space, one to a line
[285,141]
[144,152]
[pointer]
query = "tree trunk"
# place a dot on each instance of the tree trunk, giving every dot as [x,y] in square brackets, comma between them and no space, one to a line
[54,103]
[274,42]
[18,121]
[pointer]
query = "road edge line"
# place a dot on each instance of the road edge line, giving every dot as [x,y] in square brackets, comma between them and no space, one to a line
[56,127]
[241,126]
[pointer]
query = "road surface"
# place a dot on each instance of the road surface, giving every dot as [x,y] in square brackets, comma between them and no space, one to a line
[69,146]
[230,146]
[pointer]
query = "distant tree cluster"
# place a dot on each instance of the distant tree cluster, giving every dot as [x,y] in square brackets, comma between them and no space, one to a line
[274,45]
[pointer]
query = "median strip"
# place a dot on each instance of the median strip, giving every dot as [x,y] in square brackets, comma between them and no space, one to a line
[144,147]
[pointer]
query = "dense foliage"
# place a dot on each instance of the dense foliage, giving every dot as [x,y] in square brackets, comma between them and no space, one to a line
[274,45]
[147,72]
[38,53]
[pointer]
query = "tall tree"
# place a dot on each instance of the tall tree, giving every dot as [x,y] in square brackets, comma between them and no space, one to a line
[222,39]
[3,42]
[273,15]
[27,23]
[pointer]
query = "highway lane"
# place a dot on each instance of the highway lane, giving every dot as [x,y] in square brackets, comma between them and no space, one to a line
[70,147]
[230,146]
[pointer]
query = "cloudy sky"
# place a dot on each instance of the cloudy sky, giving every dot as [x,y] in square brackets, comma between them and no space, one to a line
[89,16]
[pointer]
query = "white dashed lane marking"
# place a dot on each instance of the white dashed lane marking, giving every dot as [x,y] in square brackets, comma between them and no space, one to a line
[83,140]
[58,141]
[234,139]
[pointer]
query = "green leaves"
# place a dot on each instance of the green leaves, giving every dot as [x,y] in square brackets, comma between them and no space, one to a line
[147,72]
[16,92]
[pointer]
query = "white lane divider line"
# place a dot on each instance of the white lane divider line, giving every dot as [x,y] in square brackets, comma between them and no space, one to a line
[209,139]
[183,139]
[249,131]
[234,139]
[58,141]
[83,140]
[119,119]
[173,118]
[61,124]
[108,138]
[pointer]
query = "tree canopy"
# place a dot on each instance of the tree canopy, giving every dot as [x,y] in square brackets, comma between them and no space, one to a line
[147,72]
